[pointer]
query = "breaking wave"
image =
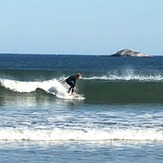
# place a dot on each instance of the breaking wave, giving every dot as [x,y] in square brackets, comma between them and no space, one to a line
[128,76]
[125,87]
[80,135]
[50,86]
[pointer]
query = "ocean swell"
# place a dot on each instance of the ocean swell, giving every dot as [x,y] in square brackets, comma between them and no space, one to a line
[97,89]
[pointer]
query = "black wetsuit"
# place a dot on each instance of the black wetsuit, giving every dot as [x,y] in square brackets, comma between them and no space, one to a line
[71,82]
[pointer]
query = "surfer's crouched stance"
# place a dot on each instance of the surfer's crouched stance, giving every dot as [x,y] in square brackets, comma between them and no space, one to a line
[71,81]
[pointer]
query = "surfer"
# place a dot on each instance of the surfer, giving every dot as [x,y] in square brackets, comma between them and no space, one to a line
[71,81]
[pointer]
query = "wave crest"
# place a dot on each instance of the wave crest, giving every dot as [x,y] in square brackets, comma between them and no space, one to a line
[53,87]
[128,75]
[80,135]
[28,86]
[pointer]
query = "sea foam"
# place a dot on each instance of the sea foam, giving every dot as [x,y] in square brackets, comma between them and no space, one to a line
[127,77]
[53,86]
[29,86]
[80,135]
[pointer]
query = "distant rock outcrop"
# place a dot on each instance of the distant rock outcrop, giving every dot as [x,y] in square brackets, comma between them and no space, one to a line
[129,53]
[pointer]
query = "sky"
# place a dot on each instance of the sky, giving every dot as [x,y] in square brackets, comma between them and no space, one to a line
[91,27]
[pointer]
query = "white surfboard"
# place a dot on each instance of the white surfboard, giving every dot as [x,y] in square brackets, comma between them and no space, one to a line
[62,94]
[71,97]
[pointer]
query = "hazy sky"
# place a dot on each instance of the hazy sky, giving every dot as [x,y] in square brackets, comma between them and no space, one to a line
[81,26]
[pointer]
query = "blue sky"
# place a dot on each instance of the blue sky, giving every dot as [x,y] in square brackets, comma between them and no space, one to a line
[99,27]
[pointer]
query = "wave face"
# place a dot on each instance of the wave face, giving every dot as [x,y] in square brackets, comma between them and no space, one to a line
[94,89]
[105,79]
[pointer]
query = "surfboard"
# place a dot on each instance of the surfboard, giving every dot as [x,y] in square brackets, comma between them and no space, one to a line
[71,97]
[77,96]
[65,95]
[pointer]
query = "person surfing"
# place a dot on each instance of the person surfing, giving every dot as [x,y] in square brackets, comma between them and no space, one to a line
[71,81]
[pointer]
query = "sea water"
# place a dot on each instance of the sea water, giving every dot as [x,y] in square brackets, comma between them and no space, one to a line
[120,119]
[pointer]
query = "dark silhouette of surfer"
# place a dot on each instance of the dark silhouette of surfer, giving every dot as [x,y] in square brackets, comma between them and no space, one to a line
[71,81]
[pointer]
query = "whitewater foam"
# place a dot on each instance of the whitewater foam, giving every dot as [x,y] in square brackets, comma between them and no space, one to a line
[28,86]
[132,77]
[50,86]
[80,135]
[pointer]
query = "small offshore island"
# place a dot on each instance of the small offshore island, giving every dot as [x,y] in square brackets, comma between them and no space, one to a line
[129,53]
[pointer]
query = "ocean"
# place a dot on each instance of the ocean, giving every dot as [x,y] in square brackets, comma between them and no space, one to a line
[116,117]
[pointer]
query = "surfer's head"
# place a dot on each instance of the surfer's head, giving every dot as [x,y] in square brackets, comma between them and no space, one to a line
[78,76]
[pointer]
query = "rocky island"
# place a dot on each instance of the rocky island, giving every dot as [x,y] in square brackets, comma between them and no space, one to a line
[129,53]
